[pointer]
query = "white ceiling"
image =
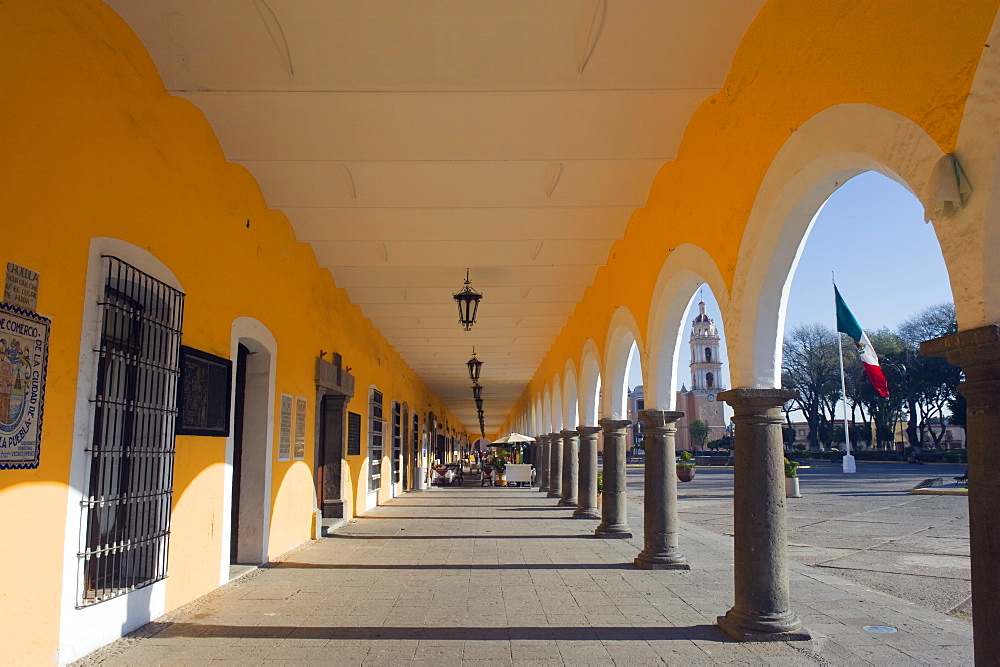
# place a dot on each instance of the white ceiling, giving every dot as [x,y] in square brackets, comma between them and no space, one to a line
[409,139]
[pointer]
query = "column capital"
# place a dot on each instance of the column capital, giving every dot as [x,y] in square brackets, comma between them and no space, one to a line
[977,353]
[970,347]
[659,418]
[555,436]
[610,426]
[569,433]
[753,400]
[588,430]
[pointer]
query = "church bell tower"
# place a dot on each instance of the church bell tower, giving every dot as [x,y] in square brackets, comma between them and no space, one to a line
[706,364]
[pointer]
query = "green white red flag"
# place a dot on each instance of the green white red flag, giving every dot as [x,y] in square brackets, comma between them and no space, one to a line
[846,323]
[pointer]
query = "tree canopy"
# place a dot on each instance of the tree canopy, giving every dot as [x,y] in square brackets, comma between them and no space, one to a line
[922,390]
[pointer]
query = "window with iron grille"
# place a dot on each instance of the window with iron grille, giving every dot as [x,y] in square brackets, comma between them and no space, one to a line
[129,481]
[376,440]
[416,439]
[397,439]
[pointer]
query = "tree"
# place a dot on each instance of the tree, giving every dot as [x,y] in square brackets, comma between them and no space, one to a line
[931,381]
[810,367]
[699,433]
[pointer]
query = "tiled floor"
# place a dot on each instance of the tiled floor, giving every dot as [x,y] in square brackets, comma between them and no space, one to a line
[489,575]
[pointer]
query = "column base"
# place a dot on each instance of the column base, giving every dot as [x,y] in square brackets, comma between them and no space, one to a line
[587,513]
[566,502]
[763,627]
[613,532]
[662,561]
[543,489]
[554,494]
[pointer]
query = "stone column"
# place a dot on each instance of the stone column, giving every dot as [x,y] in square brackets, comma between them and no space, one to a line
[570,466]
[614,513]
[761,612]
[977,353]
[555,465]
[543,462]
[586,492]
[659,514]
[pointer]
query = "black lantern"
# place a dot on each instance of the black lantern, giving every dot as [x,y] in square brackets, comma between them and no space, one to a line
[474,367]
[477,392]
[479,404]
[468,304]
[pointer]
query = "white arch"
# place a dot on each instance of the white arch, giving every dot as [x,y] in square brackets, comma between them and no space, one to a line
[557,406]
[571,415]
[824,152]
[590,383]
[687,267]
[547,411]
[539,423]
[622,333]
[970,240]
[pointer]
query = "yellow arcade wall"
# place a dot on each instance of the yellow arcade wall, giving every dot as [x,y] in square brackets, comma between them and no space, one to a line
[94,147]
[798,58]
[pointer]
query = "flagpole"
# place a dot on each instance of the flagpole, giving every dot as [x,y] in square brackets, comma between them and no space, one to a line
[849,465]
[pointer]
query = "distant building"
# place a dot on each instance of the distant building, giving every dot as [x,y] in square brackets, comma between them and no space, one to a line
[954,436]
[698,402]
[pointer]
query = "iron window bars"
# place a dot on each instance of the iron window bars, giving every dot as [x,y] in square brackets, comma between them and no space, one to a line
[129,488]
[397,440]
[376,444]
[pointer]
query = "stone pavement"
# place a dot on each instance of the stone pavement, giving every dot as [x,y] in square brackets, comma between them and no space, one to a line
[490,575]
[865,527]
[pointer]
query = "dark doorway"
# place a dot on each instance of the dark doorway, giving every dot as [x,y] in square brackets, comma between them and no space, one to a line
[330,454]
[242,353]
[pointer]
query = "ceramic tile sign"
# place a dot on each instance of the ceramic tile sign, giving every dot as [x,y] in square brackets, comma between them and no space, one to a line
[24,352]
[21,288]
[285,429]
[299,451]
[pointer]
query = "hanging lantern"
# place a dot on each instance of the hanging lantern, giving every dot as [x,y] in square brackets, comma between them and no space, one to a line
[468,304]
[475,366]
[479,404]
[477,392]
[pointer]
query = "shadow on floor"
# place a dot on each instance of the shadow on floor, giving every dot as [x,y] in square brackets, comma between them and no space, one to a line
[450,518]
[607,633]
[454,566]
[484,536]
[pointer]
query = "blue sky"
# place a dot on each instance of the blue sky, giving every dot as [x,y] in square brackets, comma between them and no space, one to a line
[887,260]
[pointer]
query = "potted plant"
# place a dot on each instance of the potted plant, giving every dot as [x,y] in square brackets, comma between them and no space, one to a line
[685,467]
[499,464]
[792,479]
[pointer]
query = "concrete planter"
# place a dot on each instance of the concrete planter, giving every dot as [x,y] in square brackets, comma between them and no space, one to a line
[685,474]
[792,487]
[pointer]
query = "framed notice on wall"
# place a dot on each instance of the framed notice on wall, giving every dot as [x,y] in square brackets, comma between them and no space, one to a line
[285,429]
[353,434]
[299,450]
[203,393]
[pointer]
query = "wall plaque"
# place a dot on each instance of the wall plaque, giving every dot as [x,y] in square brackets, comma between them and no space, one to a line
[203,393]
[285,429]
[299,450]
[21,288]
[24,353]
[353,434]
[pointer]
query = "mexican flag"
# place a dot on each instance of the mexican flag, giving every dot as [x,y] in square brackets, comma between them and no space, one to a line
[848,325]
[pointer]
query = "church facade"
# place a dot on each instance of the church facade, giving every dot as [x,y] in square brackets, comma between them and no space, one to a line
[699,402]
